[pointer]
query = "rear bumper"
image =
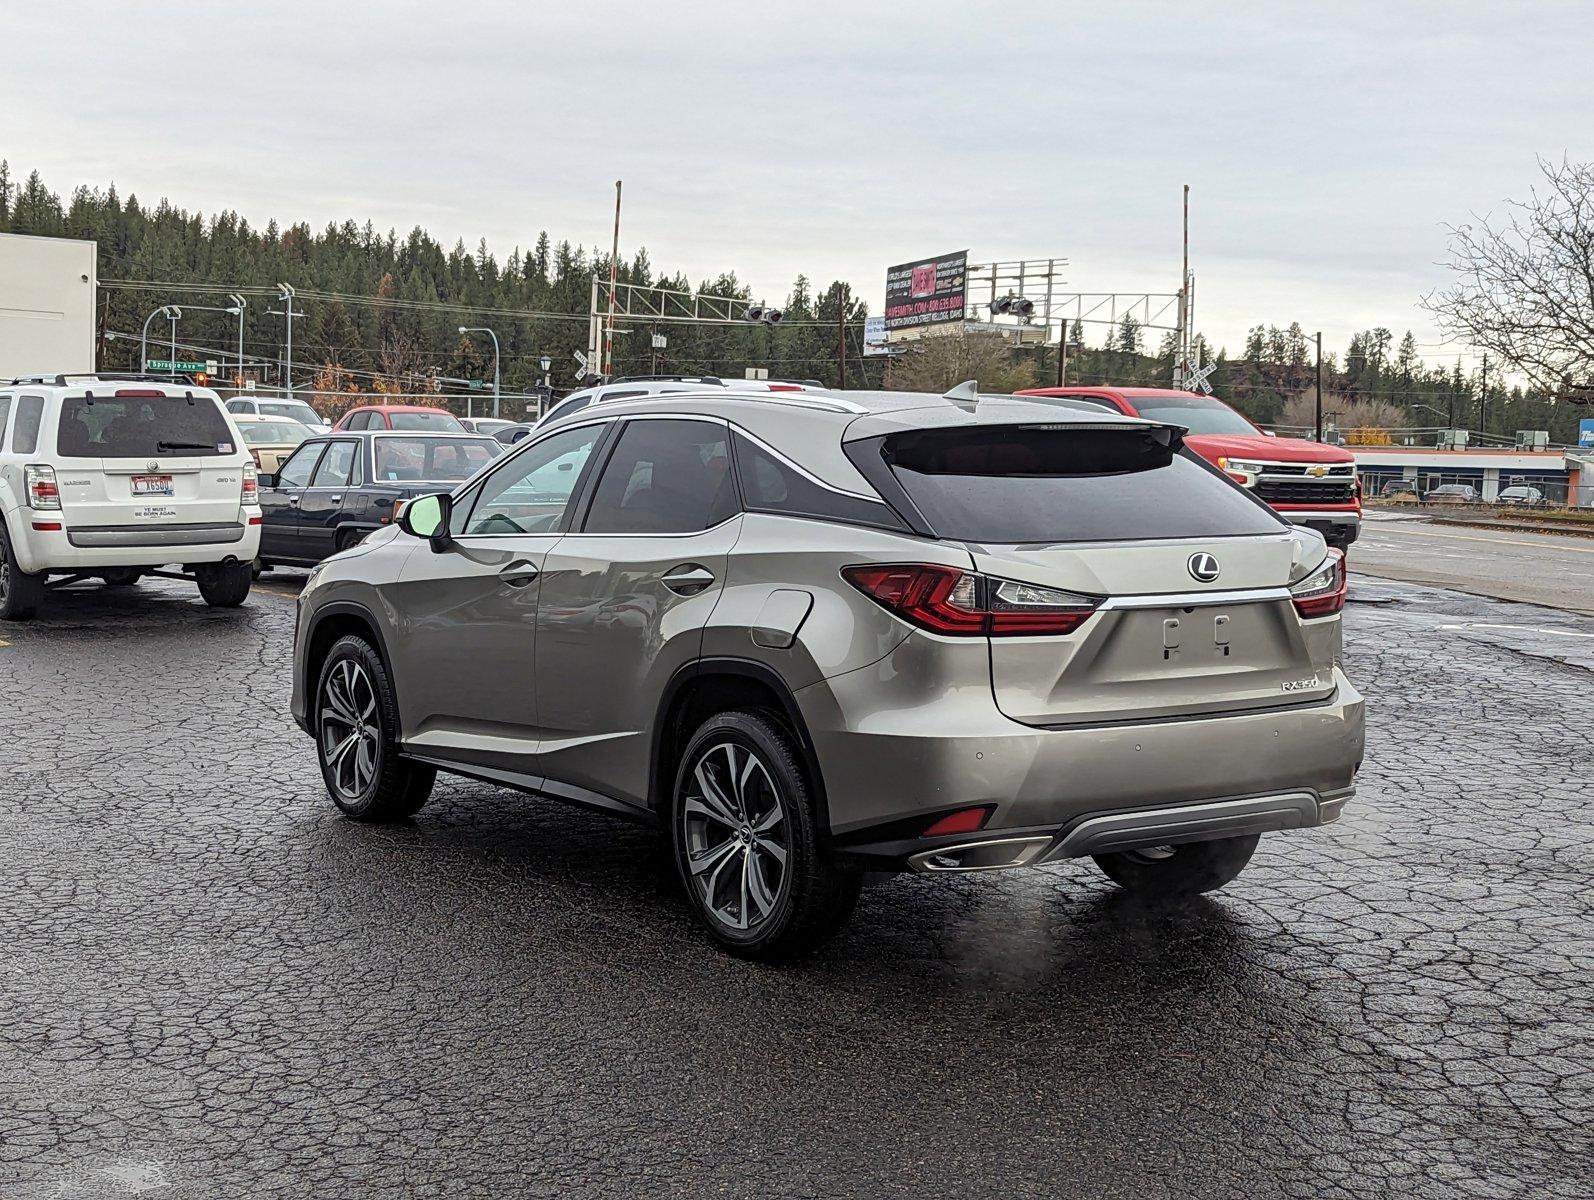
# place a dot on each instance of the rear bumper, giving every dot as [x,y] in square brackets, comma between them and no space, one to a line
[89,548]
[1341,525]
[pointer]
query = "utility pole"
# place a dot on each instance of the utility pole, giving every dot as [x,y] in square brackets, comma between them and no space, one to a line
[841,334]
[606,368]
[1483,398]
[286,294]
[1320,385]
[1182,367]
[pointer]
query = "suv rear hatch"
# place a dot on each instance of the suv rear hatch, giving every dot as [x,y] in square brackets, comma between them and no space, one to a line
[1121,518]
[143,457]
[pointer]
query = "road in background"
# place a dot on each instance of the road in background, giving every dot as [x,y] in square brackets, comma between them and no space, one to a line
[215,986]
[1534,568]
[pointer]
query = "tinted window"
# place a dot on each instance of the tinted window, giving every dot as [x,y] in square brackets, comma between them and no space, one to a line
[295,409]
[1027,484]
[336,465]
[5,413]
[531,492]
[30,414]
[770,485]
[434,459]
[564,410]
[295,472]
[1198,414]
[665,477]
[439,422]
[142,427]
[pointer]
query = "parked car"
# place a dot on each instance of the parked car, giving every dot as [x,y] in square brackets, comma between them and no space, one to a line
[1452,493]
[336,489]
[488,425]
[1522,494]
[271,439]
[410,417]
[837,633]
[1394,489]
[114,478]
[634,387]
[279,406]
[1309,483]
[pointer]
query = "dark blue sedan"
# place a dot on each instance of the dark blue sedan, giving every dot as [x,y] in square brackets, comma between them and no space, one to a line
[339,487]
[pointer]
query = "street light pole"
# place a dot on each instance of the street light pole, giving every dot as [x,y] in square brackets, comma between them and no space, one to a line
[143,341]
[174,315]
[497,379]
[286,293]
[1320,385]
[239,304]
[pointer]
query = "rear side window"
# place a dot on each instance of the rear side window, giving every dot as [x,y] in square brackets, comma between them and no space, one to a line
[665,477]
[142,427]
[5,413]
[30,415]
[1016,484]
[772,486]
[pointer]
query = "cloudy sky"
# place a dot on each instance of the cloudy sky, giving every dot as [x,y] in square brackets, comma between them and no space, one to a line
[1326,144]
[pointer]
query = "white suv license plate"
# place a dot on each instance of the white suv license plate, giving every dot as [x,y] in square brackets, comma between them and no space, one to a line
[153,485]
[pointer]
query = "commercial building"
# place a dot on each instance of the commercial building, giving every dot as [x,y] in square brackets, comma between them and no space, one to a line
[47,290]
[1564,476]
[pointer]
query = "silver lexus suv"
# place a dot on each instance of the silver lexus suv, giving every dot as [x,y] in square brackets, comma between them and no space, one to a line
[819,636]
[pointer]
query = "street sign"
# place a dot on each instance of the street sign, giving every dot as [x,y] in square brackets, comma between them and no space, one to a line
[660,342]
[475,385]
[166,364]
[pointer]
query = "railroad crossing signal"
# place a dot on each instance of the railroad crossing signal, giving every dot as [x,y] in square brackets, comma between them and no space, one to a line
[1195,378]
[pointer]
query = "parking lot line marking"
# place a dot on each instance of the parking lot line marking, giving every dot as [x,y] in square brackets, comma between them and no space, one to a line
[1464,537]
[1523,628]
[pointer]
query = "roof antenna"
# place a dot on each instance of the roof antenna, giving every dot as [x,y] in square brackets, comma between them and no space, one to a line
[966,395]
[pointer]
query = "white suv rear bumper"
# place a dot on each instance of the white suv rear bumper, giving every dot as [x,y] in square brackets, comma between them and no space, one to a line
[90,548]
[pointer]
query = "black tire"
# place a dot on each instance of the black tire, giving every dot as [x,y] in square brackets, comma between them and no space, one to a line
[1179,871]
[772,813]
[392,787]
[351,537]
[20,593]
[120,577]
[226,584]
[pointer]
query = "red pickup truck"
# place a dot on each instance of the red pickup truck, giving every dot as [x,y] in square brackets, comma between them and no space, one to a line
[1309,483]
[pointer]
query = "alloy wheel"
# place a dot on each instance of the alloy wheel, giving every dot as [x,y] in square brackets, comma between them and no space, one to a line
[735,836]
[350,729]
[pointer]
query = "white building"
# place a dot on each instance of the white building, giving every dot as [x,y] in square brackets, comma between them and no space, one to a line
[47,290]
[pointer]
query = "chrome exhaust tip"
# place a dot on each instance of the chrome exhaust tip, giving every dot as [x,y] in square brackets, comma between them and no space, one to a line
[1000,855]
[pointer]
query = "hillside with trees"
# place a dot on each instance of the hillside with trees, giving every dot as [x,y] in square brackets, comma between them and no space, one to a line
[381,311]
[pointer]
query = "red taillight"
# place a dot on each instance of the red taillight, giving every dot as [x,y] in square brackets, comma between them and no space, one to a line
[256,520]
[48,526]
[965,820]
[250,492]
[43,492]
[140,393]
[786,387]
[1322,593]
[962,604]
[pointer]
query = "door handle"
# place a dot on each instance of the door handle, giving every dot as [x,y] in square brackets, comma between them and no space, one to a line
[688,579]
[338,499]
[293,500]
[518,574]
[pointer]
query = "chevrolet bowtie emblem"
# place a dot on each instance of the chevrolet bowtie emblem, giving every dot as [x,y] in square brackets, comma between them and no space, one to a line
[1317,472]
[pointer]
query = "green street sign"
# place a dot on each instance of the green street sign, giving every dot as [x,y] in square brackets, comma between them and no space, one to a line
[166,364]
[476,385]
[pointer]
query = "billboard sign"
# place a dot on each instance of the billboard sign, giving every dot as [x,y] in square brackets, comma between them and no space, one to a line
[1585,434]
[930,292]
[874,338]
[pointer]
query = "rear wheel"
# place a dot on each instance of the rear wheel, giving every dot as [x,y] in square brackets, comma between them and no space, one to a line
[20,593]
[1183,870]
[224,585]
[746,842]
[350,537]
[356,726]
[122,576]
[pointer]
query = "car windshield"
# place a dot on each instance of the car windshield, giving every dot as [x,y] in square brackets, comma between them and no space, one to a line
[441,422]
[432,459]
[1198,414]
[273,433]
[142,427]
[294,410]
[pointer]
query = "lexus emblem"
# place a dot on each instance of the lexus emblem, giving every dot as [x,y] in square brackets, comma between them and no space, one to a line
[1203,568]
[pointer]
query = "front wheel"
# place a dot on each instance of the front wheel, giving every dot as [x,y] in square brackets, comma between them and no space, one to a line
[224,585]
[356,726]
[1173,872]
[747,844]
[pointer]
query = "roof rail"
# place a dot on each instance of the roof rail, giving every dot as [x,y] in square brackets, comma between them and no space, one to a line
[110,376]
[708,379]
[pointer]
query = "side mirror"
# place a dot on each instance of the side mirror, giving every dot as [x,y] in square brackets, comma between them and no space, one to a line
[427,517]
[266,479]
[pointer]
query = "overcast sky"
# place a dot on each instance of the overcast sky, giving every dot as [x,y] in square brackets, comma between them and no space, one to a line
[1326,144]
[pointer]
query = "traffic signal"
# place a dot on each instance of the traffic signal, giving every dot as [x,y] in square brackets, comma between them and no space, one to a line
[201,378]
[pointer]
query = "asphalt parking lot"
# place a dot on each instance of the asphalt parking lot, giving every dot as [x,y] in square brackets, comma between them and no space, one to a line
[214,986]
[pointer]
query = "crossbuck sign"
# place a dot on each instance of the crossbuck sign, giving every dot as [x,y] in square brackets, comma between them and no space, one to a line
[1195,378]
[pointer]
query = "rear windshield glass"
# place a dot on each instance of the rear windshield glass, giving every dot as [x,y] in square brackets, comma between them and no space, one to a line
[142,427]
[1198,414]
[439,421]
[295,409]
[273,433]
[404,459]
[1026,484]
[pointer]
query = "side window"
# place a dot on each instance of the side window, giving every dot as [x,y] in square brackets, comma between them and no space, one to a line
[295,472]
[30,414]
[5,414]
[336,466]
[357,421]
[665,477]
[1095,402]
[770,485]
[564,410]
[529,494]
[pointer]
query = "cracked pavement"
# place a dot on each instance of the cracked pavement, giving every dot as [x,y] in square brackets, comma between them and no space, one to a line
[211,985]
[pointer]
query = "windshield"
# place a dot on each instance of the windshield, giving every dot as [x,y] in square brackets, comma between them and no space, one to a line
[273,433]
[296,410]
[142,427]
[440,421]
[435,460]
[1198,414]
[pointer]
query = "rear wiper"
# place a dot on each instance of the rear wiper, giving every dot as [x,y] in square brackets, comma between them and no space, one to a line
[159,446]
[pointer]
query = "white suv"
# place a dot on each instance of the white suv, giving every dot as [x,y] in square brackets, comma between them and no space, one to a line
[116,478]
